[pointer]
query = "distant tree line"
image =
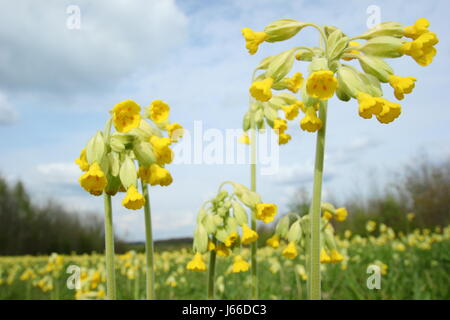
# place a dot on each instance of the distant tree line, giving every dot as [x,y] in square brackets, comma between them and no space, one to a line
[421,188]
[26,228]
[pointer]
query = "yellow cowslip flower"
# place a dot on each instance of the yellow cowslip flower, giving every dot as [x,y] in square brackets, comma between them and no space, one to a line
[82,161]
[401,85]
[410,216]
[248,235]
[158,111]
[399,246]
[324,257]
[240,265]
[126,115]
[222,250]
[327,215]
[335,256]
[231,239]
[273,241]
[371,226]
[161,149]
[253,39]
[352,44]
[321,84]
[280,125]
[262,90]
[291,111]
[310,122]
[283,138]
[295,82]
[417,29]
[196,264]
[266,212]
[290,252]
[244,139]
[341,214]
[211,246]
[369,105]
[94,180]
[155,175]
[421,49]
[175,131]
[390,111]
[133,199]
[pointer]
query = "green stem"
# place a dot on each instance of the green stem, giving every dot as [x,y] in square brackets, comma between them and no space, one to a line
[253,222]
[109,250]
[211,272]
[315,209]
[148,244]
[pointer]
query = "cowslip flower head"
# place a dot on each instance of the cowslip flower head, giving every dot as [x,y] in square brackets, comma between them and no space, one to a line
[133,199]
[82,161]
[253,39]
[261,90]
[273,241]
[248,235]
[290,252]
[291,111]
[155,175]
[94,180]
[240,265]
[161,149]
[401,85]
[158,111]
[231,239]
[266,212]
[175,131]
[341,214]
[280,125]
[126,115]
[390,112]
[321,84]
[417,29]
[335,256]
[324,257]
[310,122]
[244,139]
[284,138]
[295,82]
[197,263]
[369,105]
[422,49]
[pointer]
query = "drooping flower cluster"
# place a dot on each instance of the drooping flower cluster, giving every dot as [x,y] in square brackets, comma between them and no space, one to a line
[223,225]
[329,74]
[295,230]
[110,160]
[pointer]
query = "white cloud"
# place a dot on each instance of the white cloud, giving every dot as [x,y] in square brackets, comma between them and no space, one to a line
[116,38]
[59,173]
[8,114]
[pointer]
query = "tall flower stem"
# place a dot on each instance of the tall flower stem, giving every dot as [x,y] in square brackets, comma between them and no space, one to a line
[253,222]
[109,250]
[148,245]
[211,273]
[315,208]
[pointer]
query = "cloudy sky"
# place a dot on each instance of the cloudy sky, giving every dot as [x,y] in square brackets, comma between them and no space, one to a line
[57,84]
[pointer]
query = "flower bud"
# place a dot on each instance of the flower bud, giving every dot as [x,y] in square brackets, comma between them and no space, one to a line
[295,232]
[114,163]
[376,67]
[336,44]
[282,227]
[264,64]
[231,225]
[392,29]
[200,239]
[144,131]
[270,113]
[128,175]
[328,207]
[384,47]
[144,153]
[239,213]
[246,122]
[259,119]
[281,64]
[113,185]
[283,29]
[210,226]
[95,149]
[247,197]
[349,82]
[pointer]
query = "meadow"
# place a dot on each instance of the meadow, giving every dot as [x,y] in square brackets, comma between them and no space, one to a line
[413,265]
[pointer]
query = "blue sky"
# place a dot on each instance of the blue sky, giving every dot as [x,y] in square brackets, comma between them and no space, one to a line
[56,86]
